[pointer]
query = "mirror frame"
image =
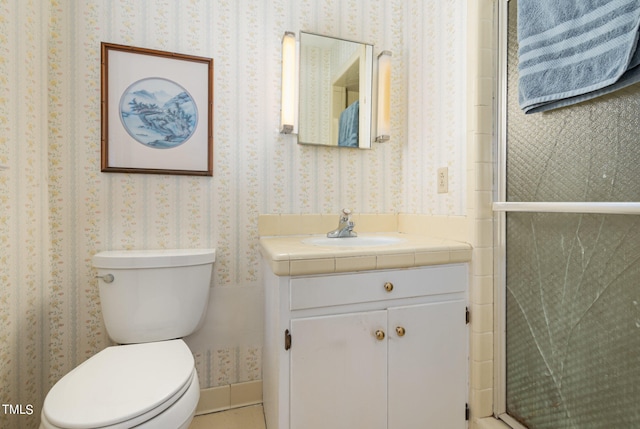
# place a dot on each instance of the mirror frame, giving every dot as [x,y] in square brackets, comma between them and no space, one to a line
[365,98]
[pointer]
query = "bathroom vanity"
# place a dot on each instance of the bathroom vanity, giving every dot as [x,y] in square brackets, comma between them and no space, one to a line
[383,344]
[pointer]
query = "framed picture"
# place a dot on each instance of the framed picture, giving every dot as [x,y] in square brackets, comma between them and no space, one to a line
[157,112]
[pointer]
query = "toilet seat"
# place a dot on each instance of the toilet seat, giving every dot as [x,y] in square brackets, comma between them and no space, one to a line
[122,386]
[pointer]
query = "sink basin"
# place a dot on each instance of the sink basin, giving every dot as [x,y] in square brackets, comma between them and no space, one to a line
[360,241]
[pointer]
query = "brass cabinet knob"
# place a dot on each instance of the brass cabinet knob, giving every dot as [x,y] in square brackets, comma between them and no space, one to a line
[388,286]
[400,331]
[379,335]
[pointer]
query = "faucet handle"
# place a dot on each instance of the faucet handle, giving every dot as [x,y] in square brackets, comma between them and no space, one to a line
[345,226]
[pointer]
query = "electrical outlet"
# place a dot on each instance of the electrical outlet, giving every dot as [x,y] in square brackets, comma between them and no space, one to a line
[443,180]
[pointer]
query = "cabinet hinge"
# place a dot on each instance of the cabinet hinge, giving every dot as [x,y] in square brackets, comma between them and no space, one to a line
[467,315]
[287,339]
[467,413]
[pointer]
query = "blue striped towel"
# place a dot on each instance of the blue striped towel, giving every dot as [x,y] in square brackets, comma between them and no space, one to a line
[575,50]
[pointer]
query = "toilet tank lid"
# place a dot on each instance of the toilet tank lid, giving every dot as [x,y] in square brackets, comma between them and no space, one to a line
[126,259]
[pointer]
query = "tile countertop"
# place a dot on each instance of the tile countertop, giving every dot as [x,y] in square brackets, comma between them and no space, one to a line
[289,256]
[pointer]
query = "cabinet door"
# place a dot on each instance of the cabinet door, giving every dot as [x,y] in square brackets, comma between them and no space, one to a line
[339,372]
[428,366]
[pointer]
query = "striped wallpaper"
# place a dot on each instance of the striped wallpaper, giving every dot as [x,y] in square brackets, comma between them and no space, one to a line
[57,209]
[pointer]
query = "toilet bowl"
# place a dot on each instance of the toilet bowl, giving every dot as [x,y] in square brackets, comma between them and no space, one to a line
[150,299]
[151,385]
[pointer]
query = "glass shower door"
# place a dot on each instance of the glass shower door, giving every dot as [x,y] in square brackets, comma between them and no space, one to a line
[572,270]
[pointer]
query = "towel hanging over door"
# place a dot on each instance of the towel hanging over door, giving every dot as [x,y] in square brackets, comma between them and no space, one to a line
[575,50]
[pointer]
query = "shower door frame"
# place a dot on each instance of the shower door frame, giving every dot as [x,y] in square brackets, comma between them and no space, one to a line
[499,254]
[500,208]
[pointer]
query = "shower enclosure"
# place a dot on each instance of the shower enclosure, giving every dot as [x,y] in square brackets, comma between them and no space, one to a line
[569,252]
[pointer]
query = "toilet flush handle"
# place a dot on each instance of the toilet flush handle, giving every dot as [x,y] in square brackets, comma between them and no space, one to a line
[107,278]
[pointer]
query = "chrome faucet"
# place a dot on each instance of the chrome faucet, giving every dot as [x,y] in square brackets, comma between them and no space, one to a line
[345,226]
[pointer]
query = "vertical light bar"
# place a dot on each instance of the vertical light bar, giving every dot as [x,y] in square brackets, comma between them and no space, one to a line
[287,112]
[383,132]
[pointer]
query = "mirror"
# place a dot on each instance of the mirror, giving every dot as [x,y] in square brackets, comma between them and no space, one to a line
[335,92]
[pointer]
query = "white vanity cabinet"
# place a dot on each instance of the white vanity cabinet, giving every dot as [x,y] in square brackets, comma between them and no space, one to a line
[375,350]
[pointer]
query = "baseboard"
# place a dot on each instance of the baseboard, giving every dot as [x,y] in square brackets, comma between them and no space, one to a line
[222,398]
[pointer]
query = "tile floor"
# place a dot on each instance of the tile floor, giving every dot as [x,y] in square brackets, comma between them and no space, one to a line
[251,417]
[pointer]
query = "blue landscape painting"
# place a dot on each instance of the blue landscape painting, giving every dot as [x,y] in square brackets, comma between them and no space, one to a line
[158,113]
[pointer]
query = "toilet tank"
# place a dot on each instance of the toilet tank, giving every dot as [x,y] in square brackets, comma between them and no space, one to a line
[153,295]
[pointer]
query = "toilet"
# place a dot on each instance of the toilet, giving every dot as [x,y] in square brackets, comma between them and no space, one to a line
[150,299]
